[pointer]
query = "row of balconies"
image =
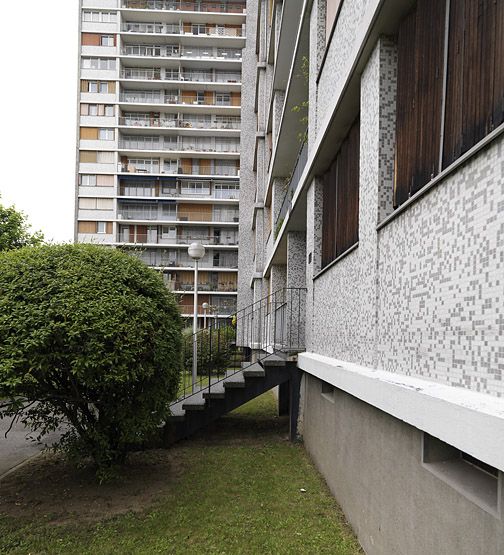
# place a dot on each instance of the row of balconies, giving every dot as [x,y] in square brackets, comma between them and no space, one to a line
[163,235]
[197,190]
[186,6]
[208,98]
[184,121]
[175,259]
[172,167]
[175,51]
[154,211]
[224,286]
[169,74]
[181,144]
[180,29]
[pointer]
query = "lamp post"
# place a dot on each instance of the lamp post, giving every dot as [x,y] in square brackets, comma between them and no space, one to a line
[196,252]
[205,307]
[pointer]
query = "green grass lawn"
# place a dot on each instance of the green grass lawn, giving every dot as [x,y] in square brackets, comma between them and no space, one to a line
[237,490]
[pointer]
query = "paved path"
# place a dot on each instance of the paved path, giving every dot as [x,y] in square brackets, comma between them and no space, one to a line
[16,448]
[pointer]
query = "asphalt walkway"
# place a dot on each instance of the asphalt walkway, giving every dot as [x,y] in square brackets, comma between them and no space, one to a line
[17,448]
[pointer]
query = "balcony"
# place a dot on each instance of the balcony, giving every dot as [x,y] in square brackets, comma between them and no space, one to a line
[224,286]
[174,259]
[182,144]
[174,51]
[185,122]
[158,239]
[171,169]
[212,7]
[291,188]
[176,29]
[162,74]
[155,97]
[154,190]
[155,212]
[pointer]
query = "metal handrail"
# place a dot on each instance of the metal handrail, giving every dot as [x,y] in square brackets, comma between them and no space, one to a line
[271,325]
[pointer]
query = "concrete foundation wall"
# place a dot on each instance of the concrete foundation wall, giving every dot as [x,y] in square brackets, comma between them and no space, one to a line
[372,464]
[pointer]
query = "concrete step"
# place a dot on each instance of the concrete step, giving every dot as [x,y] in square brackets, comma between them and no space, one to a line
[254,371]
[217,391]
[194,402]
[236,380]
[273,360]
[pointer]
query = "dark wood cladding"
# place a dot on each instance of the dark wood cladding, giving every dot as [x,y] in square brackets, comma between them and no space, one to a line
[475,77]
[340,216]
[419,97]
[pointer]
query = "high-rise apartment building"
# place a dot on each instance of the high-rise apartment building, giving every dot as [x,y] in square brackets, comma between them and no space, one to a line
[159,137]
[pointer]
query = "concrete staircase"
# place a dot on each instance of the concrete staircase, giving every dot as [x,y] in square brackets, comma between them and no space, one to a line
[236,388]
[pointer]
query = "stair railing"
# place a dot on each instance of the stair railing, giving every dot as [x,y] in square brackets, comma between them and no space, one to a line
[270,325]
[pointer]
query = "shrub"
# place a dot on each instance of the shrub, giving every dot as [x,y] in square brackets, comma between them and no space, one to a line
[89,338]
[215,348]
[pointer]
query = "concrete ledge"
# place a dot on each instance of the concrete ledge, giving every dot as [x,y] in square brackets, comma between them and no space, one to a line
[470,421]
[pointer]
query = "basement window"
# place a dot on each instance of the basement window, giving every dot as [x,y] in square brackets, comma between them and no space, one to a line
[328,391]
[472,478]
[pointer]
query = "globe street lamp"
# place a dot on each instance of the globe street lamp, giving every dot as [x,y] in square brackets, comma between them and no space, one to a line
[205,307]
[196,252]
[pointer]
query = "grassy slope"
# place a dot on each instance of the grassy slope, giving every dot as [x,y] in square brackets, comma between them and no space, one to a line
[239,493]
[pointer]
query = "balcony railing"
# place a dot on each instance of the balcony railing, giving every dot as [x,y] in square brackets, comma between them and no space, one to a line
[157,214]
[132,167]
[174,260]
[224,286]
[159,74]
[291,188]
[222,240]
[152,192]
[214,7]
[171,51]
[179,146]
[175,29]
[187,99]
[145,120]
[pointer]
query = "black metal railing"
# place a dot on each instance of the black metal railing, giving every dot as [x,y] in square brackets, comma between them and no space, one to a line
[273,324]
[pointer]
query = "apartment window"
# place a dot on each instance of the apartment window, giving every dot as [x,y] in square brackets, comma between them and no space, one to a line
[194,188]
[96,204]
[93,87]
[97,110]
[105,134]
[99,17]
[226,190]
[105,157]
[471,477]
[107,40]
[101,227]
[103,87]
[98,63]
[223,99]
[88,180]
[340,217]
[431,134]
[109,111]
[199,29]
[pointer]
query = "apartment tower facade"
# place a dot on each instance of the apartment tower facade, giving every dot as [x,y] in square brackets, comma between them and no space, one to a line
[159,138]
[373,178]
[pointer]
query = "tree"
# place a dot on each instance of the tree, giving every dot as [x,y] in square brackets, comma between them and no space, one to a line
[15,230]
[90,338]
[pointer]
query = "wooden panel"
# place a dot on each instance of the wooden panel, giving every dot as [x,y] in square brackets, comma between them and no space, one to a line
[88,156]
[189,96]
[84,85]
[84,109]
[186,164]
[235,99]
[105,180]
[91,39]
[142,233]
[419,97]
[329,215]
[209,97]
[195,212]
[205,166]
[87,227]
[89,133]
[475,79]
[111,87]
[187,27]
[108,228]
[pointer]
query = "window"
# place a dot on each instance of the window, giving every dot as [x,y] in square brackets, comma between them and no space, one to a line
[105,157]
[99,17]
[430,135]
[109,111]
[471,477]
[105,134]
[188,188]
[104,88]
[107,40]
[227,190]
[98,63]
[101,227]
[93,87]
[96,204]
[223,99]
[340,215]
[88,180]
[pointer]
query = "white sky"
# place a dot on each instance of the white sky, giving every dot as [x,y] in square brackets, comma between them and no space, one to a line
[38,99]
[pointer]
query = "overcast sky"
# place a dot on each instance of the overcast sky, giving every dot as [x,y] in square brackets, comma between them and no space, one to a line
[38,46]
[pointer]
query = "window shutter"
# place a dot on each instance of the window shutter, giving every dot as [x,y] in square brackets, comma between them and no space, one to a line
[88,157]
[475,80]
[90,39]
[105,180]
[419,97]
[89,133]
[86,227]
[84,86]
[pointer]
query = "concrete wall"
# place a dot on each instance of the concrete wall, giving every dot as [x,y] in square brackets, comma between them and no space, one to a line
[372,464]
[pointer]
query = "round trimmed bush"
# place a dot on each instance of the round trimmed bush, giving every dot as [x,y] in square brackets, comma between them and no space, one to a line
[89,337]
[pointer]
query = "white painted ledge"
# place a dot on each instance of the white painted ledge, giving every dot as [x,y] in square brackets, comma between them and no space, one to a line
[470,421]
